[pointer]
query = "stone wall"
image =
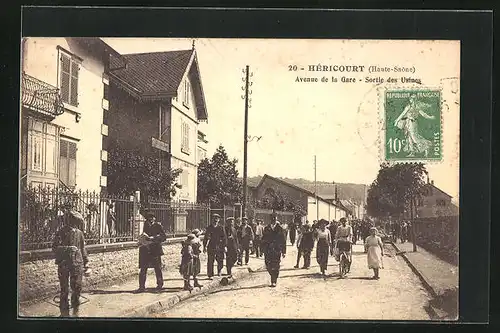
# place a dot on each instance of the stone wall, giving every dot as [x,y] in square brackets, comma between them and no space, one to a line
[38,278]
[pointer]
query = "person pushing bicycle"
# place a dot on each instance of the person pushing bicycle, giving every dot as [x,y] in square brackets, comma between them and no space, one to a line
[343,240]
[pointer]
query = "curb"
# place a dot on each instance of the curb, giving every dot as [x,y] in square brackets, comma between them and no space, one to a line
[430,309]
[167,302]
[420,275]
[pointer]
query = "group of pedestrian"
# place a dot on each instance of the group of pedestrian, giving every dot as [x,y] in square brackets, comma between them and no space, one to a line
[400,231]
[233,241]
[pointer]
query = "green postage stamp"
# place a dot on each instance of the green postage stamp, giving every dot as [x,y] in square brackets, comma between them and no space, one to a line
[412,125]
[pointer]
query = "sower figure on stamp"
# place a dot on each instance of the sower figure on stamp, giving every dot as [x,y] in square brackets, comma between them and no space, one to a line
[274,246]
[71,259]
[150,251]
[408,122]
[232,245]
[247,236]
[214,244]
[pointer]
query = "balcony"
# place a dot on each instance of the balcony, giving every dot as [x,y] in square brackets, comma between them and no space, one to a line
[41,97]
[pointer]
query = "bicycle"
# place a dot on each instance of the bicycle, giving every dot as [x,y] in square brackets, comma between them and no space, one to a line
[345,261]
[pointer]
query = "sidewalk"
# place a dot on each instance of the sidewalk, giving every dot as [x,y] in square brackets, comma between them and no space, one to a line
[120,300]
[439,274]
[439,278]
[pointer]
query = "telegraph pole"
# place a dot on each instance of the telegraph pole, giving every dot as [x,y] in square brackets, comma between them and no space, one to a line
[245,143]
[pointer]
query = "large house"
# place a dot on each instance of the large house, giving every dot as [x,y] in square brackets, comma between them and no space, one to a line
[435,202]
[156,104]
[64,101]
[316,207]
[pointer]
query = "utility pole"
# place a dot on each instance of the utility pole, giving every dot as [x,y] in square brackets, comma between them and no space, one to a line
[245,143]
[316,190]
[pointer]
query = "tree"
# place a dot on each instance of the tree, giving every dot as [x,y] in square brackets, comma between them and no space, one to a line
[130,170]
[218,182]
[395,189]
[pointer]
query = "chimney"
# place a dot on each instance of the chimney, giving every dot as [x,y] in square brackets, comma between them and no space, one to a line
[432,182]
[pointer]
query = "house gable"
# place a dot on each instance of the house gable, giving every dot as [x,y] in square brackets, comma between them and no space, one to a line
[157,76]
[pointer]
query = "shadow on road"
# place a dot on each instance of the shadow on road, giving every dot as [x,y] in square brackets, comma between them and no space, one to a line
[147,291]
[238,288]
[360,278]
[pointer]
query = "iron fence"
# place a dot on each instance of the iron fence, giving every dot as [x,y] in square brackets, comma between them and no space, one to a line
[107,219]
[179,218]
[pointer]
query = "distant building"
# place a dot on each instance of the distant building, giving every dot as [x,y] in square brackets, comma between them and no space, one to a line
[435,202]
[324,209]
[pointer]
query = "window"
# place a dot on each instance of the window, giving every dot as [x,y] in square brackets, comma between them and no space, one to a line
[420,202]
[441,202]
[187,93]
[68,81]
[42,147]
[185,138]
[67,163]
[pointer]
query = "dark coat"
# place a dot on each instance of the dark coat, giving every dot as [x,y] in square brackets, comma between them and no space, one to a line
[307,240]
[150,255]
[215,239]
[249,236]
[232,245]
[274,245]
[69,247]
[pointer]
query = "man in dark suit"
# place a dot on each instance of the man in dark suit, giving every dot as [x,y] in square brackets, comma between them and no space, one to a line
[215,244]
[150,253]
[274,248]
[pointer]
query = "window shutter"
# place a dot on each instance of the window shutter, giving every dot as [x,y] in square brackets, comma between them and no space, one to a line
[65,78]
[63,161]
[187,136]
[74,83]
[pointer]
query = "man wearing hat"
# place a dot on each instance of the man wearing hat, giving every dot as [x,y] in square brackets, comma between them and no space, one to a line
[274,246]
[246,236]
[214,244]
[232,245]
[71,259]
[259,232]
[150,253]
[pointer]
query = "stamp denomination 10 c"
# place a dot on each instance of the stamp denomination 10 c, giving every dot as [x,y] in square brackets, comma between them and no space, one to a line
[412,125]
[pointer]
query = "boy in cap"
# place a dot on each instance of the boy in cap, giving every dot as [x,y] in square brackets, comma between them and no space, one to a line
[196,257]
[151,252]
[246,236]
[214,244]
[71,259]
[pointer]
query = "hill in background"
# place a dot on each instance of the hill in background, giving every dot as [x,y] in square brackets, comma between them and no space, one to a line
[355,192]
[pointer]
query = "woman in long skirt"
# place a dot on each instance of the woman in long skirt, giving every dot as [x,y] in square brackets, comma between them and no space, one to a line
[375,249]
[324,240]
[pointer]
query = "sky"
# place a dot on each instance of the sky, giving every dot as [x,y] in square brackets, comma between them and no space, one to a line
[339,123]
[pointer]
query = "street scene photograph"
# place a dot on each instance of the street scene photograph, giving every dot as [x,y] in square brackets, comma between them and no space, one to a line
[304,179]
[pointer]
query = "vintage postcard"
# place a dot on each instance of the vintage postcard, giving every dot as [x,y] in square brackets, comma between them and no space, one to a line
[239,178]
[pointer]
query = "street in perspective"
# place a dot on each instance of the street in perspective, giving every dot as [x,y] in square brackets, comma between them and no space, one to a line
[239,178]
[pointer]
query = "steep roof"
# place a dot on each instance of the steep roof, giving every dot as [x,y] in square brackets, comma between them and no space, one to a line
[298,189]
[437,188]
[158,75]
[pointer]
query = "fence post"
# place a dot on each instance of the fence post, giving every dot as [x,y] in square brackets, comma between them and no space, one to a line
[136,216]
